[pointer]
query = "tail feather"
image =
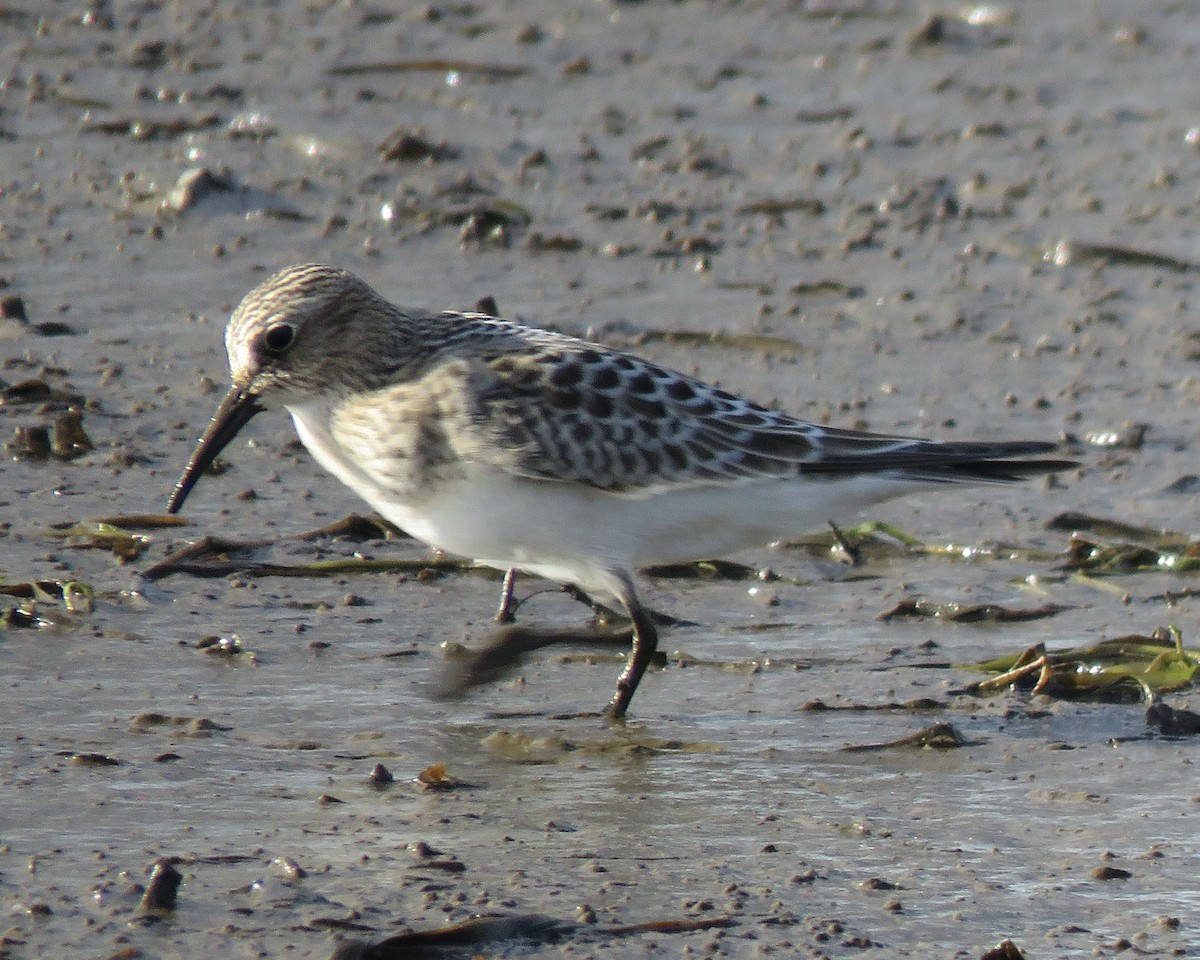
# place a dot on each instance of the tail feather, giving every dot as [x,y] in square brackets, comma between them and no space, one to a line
[929,461]
[989,471]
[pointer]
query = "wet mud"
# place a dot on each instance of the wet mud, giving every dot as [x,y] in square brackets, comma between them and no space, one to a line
[964,222]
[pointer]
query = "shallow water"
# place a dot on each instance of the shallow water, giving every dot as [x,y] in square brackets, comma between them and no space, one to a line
[715,798]
[943,172]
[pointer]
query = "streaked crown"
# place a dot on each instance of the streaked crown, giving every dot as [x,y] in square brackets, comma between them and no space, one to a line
[313,328]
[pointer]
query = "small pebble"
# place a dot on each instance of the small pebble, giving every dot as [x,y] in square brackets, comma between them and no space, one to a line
[289,869]
[163,887]
[380,775]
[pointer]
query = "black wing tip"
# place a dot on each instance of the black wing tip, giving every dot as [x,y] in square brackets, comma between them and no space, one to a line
[995,470]
[932,461]
[1001,450]
[1005,462]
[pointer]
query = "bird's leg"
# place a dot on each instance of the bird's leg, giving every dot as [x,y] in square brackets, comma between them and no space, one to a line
[506,650]
[506,612]
[599,610]
[645,642]
[507,609]
[579,596]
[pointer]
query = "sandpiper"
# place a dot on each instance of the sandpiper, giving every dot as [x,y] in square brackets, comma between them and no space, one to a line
[524,448]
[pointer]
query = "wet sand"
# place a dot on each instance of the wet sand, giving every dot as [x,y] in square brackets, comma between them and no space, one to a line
[842,209]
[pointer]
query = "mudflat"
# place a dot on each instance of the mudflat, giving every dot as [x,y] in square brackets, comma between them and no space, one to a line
[977,223]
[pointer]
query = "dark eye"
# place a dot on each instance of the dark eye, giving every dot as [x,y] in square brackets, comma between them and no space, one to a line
[278,337]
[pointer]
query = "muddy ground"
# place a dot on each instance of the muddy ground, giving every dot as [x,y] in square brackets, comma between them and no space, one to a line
[883,215]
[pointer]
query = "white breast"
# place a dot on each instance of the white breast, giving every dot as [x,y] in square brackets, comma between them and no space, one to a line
[574,533]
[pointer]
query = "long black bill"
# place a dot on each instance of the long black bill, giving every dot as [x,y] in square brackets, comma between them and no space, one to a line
[234,413]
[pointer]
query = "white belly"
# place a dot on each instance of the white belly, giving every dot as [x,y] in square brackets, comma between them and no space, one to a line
[578,534]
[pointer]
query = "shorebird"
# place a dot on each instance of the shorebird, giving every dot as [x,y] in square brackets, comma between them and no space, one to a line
[524,448]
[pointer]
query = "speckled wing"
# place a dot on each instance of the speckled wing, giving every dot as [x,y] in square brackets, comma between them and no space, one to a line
[567,410]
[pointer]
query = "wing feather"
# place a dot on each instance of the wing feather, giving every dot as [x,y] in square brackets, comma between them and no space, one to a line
[557,408]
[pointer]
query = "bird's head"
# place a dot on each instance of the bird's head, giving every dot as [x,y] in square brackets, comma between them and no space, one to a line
[309,331]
